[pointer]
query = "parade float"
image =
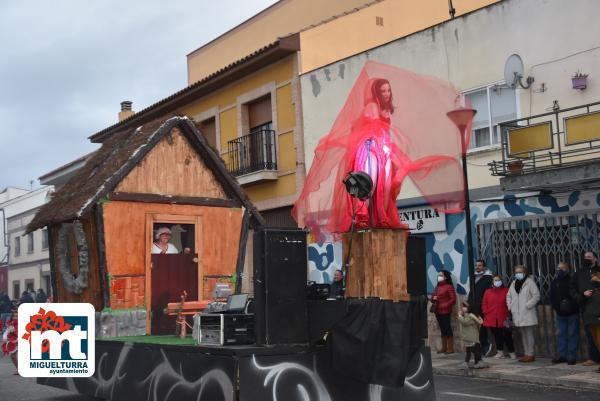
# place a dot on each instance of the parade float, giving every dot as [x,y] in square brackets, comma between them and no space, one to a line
[163,178]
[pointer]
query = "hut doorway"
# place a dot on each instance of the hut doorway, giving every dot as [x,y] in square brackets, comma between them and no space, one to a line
[172,269]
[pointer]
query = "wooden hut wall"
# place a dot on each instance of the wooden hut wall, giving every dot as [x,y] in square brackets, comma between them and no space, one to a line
[93,293]
[173,168]
[127,244]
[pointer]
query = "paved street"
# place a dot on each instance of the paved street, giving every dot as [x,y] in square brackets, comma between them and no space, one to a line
[451,388]
[16,388]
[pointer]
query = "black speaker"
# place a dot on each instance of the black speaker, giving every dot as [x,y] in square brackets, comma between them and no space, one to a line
[416,269]
[280,263]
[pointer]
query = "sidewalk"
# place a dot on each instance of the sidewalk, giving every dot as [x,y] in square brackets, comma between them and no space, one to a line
[540,372]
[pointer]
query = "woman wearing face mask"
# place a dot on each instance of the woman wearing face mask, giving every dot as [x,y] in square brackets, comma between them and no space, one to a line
[521,299]
[443,300]
[495,314]
[591,314]
[567,315]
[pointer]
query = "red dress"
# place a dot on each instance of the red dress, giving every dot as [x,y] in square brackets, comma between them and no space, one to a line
[446,298]
[377,155]
[494,307]
[416,139]
[10,337]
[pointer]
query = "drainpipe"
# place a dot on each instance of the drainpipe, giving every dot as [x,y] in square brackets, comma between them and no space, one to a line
[5,237]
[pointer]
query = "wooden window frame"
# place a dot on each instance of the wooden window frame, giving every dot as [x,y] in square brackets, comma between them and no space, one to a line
[157,218]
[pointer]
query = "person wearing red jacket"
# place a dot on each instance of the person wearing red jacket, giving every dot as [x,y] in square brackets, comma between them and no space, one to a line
[10,338]
[496,317]
[443,299]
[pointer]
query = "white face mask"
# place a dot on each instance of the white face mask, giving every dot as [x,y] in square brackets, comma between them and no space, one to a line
[497,283]
[520,276]
[441,279]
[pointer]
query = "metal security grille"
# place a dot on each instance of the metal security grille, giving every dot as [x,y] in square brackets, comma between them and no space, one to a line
[539,242]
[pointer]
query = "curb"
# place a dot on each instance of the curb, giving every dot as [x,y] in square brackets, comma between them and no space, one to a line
[514,378]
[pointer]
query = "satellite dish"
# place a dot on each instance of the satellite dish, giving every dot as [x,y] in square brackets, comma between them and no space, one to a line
[513,72]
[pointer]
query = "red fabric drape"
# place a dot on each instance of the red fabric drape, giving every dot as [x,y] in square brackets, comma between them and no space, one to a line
[406,134]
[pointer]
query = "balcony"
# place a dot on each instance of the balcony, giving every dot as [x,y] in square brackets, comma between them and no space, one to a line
[252,158]
[555,150]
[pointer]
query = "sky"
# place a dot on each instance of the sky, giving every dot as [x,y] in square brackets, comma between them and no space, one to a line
[66,65]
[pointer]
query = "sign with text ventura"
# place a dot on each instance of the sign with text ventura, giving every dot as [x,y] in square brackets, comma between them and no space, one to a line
[56,340]
[423,219]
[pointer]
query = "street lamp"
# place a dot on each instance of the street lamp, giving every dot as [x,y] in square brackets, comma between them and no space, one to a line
[359,186]
[462,116]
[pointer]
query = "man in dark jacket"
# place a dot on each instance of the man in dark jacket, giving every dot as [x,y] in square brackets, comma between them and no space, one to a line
[337,289]
[483,281]
[581,291]
[41,296]
[567,315]
[26,298]
[4,308]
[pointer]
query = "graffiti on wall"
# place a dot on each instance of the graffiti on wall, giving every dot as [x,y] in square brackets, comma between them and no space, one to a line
[151,372]
[323,261]
[447,250]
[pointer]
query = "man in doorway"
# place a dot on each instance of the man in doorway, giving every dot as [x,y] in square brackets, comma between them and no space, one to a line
[337,289]
[581,291]
[483,281]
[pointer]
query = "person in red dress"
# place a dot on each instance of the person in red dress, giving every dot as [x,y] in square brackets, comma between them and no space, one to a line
[444,298]
[375,153]
[393,125]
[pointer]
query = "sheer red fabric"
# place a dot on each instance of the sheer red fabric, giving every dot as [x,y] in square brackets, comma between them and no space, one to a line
[392,126]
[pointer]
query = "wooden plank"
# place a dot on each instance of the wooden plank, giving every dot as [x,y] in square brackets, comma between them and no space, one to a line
[242,251]
[52,258]
[91,294]
[171,275]
[101,256]
[378,267]
[174,168]
[148,237]
[182,200]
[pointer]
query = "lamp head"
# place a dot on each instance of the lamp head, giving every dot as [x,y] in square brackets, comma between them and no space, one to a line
[358,184]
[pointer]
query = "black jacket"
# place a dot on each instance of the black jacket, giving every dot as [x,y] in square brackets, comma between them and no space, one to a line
[26,298]
[560,296]
[591,314]
[41,297]
[580,283]
[336,289]
[5,305]
[482,284]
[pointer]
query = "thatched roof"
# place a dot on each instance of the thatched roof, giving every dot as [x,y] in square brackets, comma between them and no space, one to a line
[119,154]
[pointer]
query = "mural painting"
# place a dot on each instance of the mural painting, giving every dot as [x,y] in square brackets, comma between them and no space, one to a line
[447,250]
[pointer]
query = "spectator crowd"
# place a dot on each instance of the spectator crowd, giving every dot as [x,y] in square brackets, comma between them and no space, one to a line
[9,319]
[506,309]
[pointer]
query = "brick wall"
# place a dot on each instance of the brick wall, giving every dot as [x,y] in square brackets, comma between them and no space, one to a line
[127,292]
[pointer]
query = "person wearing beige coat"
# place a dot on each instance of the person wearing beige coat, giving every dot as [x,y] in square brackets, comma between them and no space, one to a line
[522,299]
[469,324]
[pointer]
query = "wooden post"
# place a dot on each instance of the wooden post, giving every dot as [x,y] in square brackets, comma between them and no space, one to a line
[378,266]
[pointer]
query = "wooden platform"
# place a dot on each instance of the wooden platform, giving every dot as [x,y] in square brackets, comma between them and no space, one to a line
[378,266]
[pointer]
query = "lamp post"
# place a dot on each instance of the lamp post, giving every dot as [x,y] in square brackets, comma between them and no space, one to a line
[462,117]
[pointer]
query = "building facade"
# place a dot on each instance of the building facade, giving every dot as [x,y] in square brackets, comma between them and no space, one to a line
[28,267]
[244,86]
[470,52]
[6,195]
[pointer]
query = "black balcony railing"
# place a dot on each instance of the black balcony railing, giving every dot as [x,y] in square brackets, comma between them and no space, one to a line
[566,137]
[253,152]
